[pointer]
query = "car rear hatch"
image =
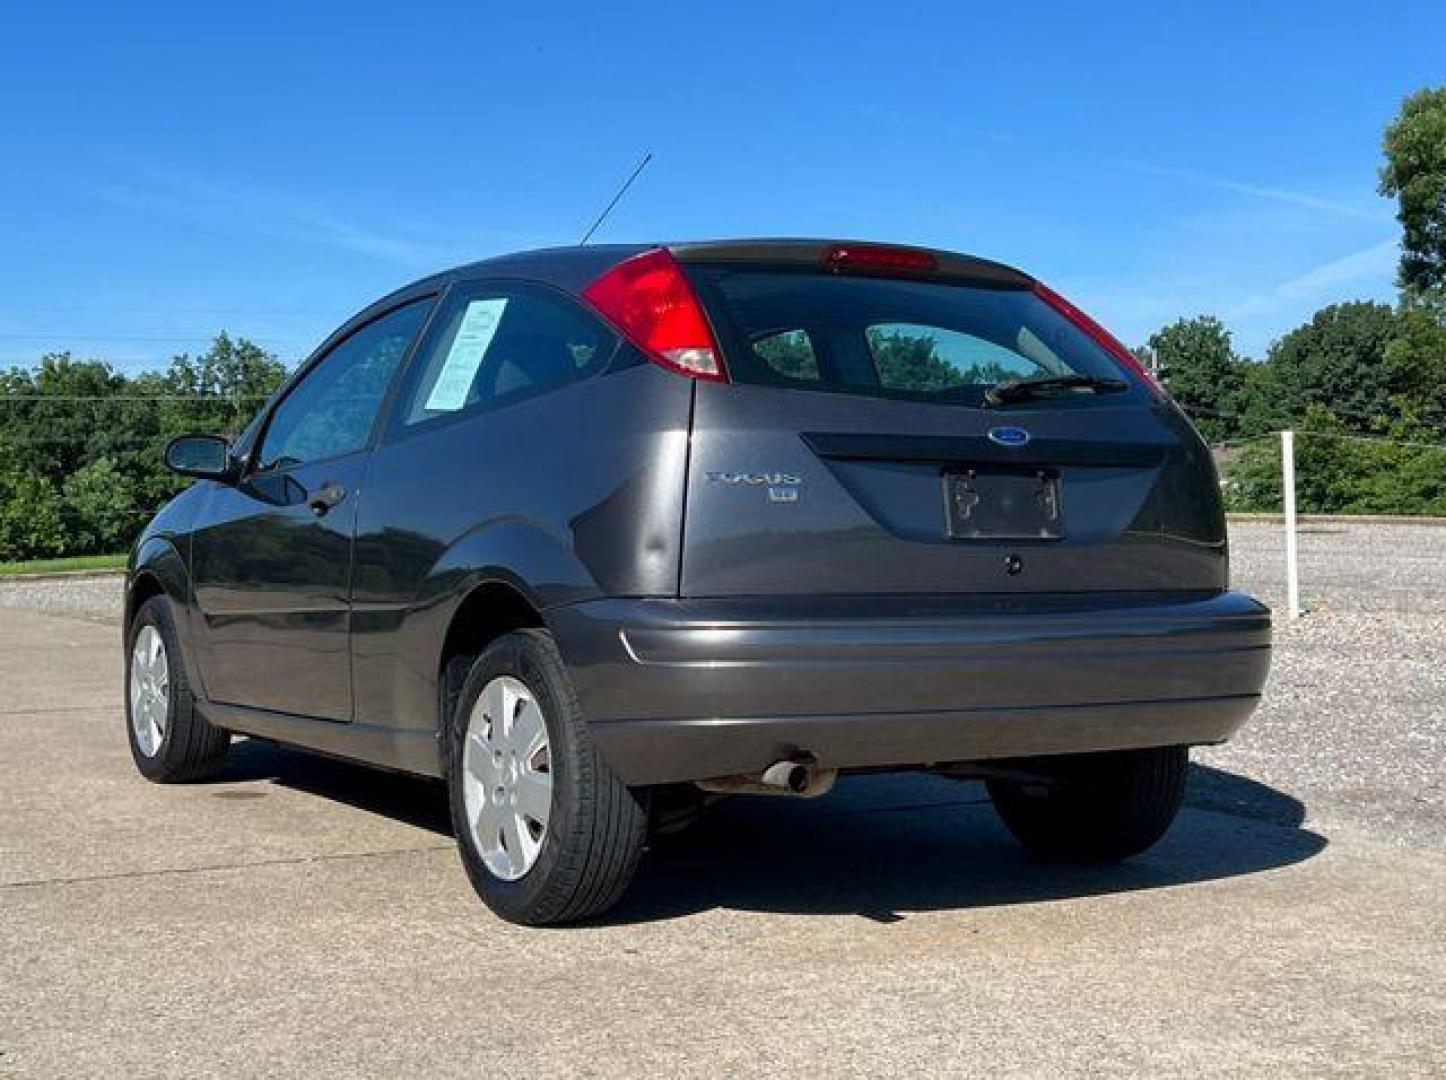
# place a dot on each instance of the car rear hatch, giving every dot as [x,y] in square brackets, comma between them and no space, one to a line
[884,429]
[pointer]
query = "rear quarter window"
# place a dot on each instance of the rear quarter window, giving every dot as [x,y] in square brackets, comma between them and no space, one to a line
[494,344]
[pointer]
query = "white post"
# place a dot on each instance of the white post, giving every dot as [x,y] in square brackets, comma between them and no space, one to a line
[1287,483]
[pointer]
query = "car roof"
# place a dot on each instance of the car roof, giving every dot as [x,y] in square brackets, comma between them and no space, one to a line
[571,268]
[574,266]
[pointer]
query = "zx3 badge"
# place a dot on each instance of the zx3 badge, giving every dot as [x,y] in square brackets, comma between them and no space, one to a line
[782,487]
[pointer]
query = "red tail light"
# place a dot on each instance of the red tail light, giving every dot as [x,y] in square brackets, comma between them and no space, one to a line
[1101,336]
[649,299]
[879,258]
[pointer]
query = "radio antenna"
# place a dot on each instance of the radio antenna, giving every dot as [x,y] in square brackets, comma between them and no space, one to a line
[608,209]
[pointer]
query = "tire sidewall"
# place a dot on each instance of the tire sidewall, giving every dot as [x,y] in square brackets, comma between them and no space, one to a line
[1106,806]
[524,657]
[154,612]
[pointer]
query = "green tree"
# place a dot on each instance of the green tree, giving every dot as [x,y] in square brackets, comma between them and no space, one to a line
[227,384]
[60,414]
[31,521]
[1338,472]
[100,508]
[1338,360]
[1196,362]
[1261,401]
[1324,468]
[912,362]
[1415,175]
[81,445]
[1415,359]
[789,353]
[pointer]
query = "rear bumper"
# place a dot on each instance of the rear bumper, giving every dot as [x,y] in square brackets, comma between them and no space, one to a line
[688,689]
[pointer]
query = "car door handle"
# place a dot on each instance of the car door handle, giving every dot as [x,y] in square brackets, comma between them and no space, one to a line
[326,498]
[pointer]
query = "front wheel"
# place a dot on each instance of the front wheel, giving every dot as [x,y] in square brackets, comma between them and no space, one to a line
[1094,807]
[170,740]
[546,832]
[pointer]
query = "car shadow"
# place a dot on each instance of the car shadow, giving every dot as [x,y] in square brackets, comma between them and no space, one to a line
[883,846]
[879,846]
[413,800]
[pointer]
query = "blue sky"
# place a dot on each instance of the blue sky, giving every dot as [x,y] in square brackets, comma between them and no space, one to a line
[171,170]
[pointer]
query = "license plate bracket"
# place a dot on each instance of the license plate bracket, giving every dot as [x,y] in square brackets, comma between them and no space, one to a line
[1023,505]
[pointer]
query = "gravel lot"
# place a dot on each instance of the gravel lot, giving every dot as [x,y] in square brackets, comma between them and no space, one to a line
[1353,721]
[96,597]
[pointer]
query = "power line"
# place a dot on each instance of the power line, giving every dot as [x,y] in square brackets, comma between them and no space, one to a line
[1373,439]
[145,363]
[130,309]
[1223,414]
[1356,414]
[62,440]
[98,436]
[1227,443]
[180,338]
[216,398]
[1203,410]
[1344,436]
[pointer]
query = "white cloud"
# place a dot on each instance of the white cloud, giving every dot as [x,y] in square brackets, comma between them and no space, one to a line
[1259,191]
[1305,199]
[245,208]
[1322,282]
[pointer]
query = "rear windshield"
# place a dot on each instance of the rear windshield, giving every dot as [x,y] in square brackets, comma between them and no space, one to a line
[892,338]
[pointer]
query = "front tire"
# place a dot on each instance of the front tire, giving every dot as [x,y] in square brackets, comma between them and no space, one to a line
[1094,807]
[546,832]
[170,741]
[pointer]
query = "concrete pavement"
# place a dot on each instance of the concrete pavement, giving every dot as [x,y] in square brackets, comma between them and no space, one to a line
[306,917]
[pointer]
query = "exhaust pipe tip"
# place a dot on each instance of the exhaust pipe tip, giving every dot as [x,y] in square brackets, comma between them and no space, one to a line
[801,779]
[793,776]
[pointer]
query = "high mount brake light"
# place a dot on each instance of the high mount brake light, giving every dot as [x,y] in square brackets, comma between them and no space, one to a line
[648,298]
[1101,337]
[879,258]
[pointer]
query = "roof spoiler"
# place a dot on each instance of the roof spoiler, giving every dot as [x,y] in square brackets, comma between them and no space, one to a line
[823,255]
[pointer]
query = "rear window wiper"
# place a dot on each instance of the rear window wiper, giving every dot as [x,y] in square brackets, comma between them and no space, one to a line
[1020,389]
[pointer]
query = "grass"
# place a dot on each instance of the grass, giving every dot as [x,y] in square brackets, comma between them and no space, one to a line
[60,566]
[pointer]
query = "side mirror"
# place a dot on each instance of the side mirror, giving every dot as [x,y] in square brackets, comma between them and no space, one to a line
[205,456]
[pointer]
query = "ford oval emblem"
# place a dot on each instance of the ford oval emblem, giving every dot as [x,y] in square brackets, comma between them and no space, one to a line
[1008,436]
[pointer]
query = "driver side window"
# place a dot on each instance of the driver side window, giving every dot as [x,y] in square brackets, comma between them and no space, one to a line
[331,411]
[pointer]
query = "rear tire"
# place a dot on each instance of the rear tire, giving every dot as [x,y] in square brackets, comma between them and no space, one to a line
[563,858]
[170,741]
[1094,807]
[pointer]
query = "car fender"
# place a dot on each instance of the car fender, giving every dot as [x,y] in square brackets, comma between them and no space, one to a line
[156,558]
[521,553]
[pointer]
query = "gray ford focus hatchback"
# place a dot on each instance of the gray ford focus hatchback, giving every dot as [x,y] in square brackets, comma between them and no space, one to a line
[600,534]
